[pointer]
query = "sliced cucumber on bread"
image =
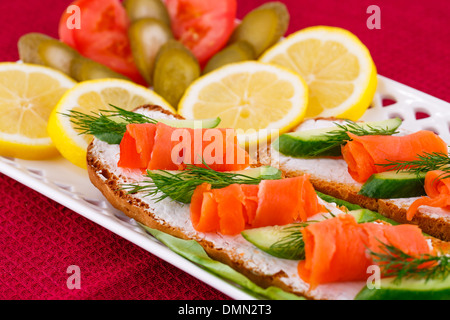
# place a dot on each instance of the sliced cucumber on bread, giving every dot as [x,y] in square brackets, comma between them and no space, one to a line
[200,124]
[286,241]
[393,184]
[278,241]
[320,142]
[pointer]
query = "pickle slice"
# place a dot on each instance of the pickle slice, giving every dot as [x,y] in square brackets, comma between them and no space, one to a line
[263,26]
[38,48]
[41,49]
[175,69]
[236,52]
[83,69]
[147,36]
[140,9]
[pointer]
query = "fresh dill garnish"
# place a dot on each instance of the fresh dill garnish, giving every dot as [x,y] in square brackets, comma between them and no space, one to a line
[106,125]
[424,163]
[336,138]
[180,185]
[396,263]
[291,245]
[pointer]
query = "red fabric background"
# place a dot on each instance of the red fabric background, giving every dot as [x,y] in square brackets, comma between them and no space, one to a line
[39,238]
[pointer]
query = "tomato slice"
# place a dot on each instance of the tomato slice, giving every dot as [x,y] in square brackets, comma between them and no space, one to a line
[103,36]
[202,26]
[113,50]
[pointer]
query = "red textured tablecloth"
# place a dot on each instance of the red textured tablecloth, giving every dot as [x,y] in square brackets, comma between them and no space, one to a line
[40,238]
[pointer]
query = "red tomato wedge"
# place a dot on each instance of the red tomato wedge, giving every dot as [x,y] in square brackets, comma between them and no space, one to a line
[437,188]
[102,36]
[336,249]
[364,153]
[162,147]
[202,26]
[273,202]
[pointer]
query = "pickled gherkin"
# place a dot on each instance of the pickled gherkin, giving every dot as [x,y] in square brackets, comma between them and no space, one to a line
[175,69]
[41,49]
[38,48]
[236,52]
[147,36]
[141,9]
[263,27]
[83,69]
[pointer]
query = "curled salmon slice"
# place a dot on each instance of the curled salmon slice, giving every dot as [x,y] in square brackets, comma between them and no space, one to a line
[364,154]
[437,188]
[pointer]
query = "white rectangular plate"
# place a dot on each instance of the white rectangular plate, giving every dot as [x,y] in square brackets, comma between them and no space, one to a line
[70,186]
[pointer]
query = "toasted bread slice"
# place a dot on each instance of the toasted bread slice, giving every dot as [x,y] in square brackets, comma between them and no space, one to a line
[174,218]
[330,176]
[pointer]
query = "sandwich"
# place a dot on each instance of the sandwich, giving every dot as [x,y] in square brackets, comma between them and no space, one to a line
[379,166]
[269,225]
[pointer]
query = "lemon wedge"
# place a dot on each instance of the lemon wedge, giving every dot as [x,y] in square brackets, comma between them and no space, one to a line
[257,99]
[337,66]
[28,94]
[92,96]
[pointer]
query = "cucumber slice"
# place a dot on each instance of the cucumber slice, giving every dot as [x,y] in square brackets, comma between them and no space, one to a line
[366,215]
[408,289]
[309,143]
[194,124]
[264,173]
[393,184]
[284,242]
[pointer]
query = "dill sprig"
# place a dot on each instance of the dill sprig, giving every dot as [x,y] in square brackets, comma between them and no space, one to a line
[338,137]
[424,163]
[180,185]
[396,263]
[291,245]
[106,125]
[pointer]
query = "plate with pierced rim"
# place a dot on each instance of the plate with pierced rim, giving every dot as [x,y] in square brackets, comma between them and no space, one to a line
[70,186]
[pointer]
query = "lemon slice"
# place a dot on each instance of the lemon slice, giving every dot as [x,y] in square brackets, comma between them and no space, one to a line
[28,94]
[258,99]
[92,96]
[338,68]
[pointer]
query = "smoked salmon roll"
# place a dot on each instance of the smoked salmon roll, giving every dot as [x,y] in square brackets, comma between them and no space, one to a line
[364,154]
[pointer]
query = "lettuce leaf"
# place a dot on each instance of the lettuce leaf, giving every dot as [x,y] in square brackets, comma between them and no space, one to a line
[194,252]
